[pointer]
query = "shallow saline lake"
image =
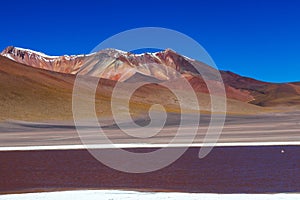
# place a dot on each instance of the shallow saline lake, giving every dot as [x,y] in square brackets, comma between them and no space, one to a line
[256,169]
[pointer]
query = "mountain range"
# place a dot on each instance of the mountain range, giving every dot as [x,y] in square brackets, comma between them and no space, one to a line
[35,86]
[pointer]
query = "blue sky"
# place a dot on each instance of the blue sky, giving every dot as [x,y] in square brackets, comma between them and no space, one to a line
[260,39]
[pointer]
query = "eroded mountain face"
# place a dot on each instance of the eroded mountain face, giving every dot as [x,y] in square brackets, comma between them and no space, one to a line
[165,66]
[111,63]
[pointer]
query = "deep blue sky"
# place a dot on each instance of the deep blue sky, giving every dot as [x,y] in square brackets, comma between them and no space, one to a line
[256,38]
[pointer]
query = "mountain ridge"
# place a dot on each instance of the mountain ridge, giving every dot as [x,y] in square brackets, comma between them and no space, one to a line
[32,94]
[158,67]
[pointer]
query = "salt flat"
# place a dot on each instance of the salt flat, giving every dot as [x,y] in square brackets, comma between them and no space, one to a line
[130,195]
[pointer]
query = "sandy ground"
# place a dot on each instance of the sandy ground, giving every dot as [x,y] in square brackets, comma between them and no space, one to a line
[283,127]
